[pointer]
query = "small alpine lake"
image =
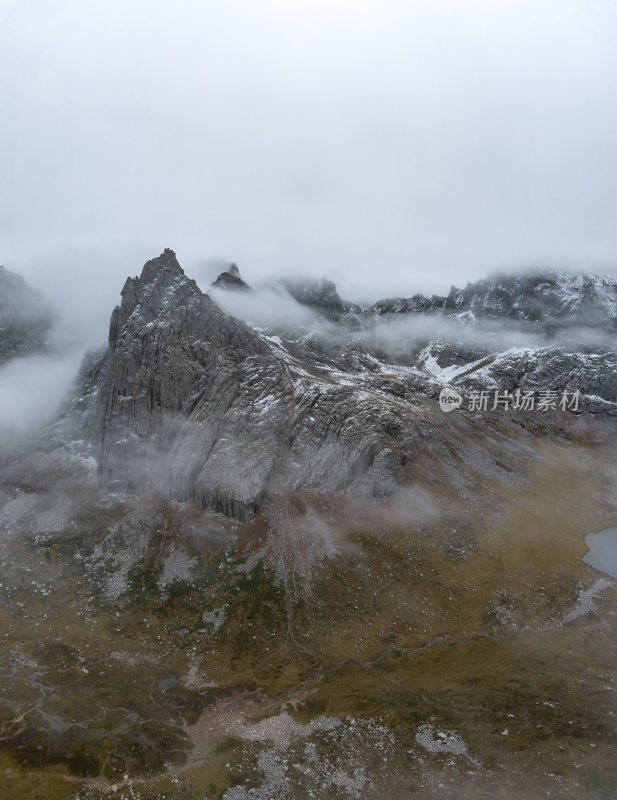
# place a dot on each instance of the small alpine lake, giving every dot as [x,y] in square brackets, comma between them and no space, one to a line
[602,550]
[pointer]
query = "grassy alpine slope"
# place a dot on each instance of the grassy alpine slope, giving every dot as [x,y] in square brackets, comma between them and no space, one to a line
[446,643]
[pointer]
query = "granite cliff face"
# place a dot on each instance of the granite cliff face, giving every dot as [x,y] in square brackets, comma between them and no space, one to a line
[195,403]
[176,373]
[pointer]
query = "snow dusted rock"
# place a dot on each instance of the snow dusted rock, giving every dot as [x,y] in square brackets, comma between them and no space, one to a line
[170,392]
[192,402]
[417,304]
[551,298]
[551,368]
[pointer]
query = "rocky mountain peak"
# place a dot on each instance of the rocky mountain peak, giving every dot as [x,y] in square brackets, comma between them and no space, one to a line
[230,279]
[166,264]
[161,286]
[193,403]
[321,295]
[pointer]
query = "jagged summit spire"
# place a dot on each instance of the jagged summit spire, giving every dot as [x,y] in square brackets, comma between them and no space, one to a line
[162,284]
[167,261]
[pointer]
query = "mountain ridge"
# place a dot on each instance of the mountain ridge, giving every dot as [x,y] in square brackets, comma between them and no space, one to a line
[192,402]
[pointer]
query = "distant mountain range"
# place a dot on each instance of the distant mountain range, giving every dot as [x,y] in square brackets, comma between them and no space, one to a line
[551,299]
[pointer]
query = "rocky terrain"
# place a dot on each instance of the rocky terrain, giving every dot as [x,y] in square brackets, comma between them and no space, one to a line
[190,401]
[256,560]
[551,299]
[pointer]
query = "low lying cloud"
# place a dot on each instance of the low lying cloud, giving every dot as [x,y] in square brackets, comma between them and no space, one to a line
[270,306]
[33,389]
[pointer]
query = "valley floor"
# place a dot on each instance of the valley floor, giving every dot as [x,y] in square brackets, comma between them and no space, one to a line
[448,643]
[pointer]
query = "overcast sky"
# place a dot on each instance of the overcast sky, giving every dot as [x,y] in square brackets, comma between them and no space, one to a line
[393,146]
